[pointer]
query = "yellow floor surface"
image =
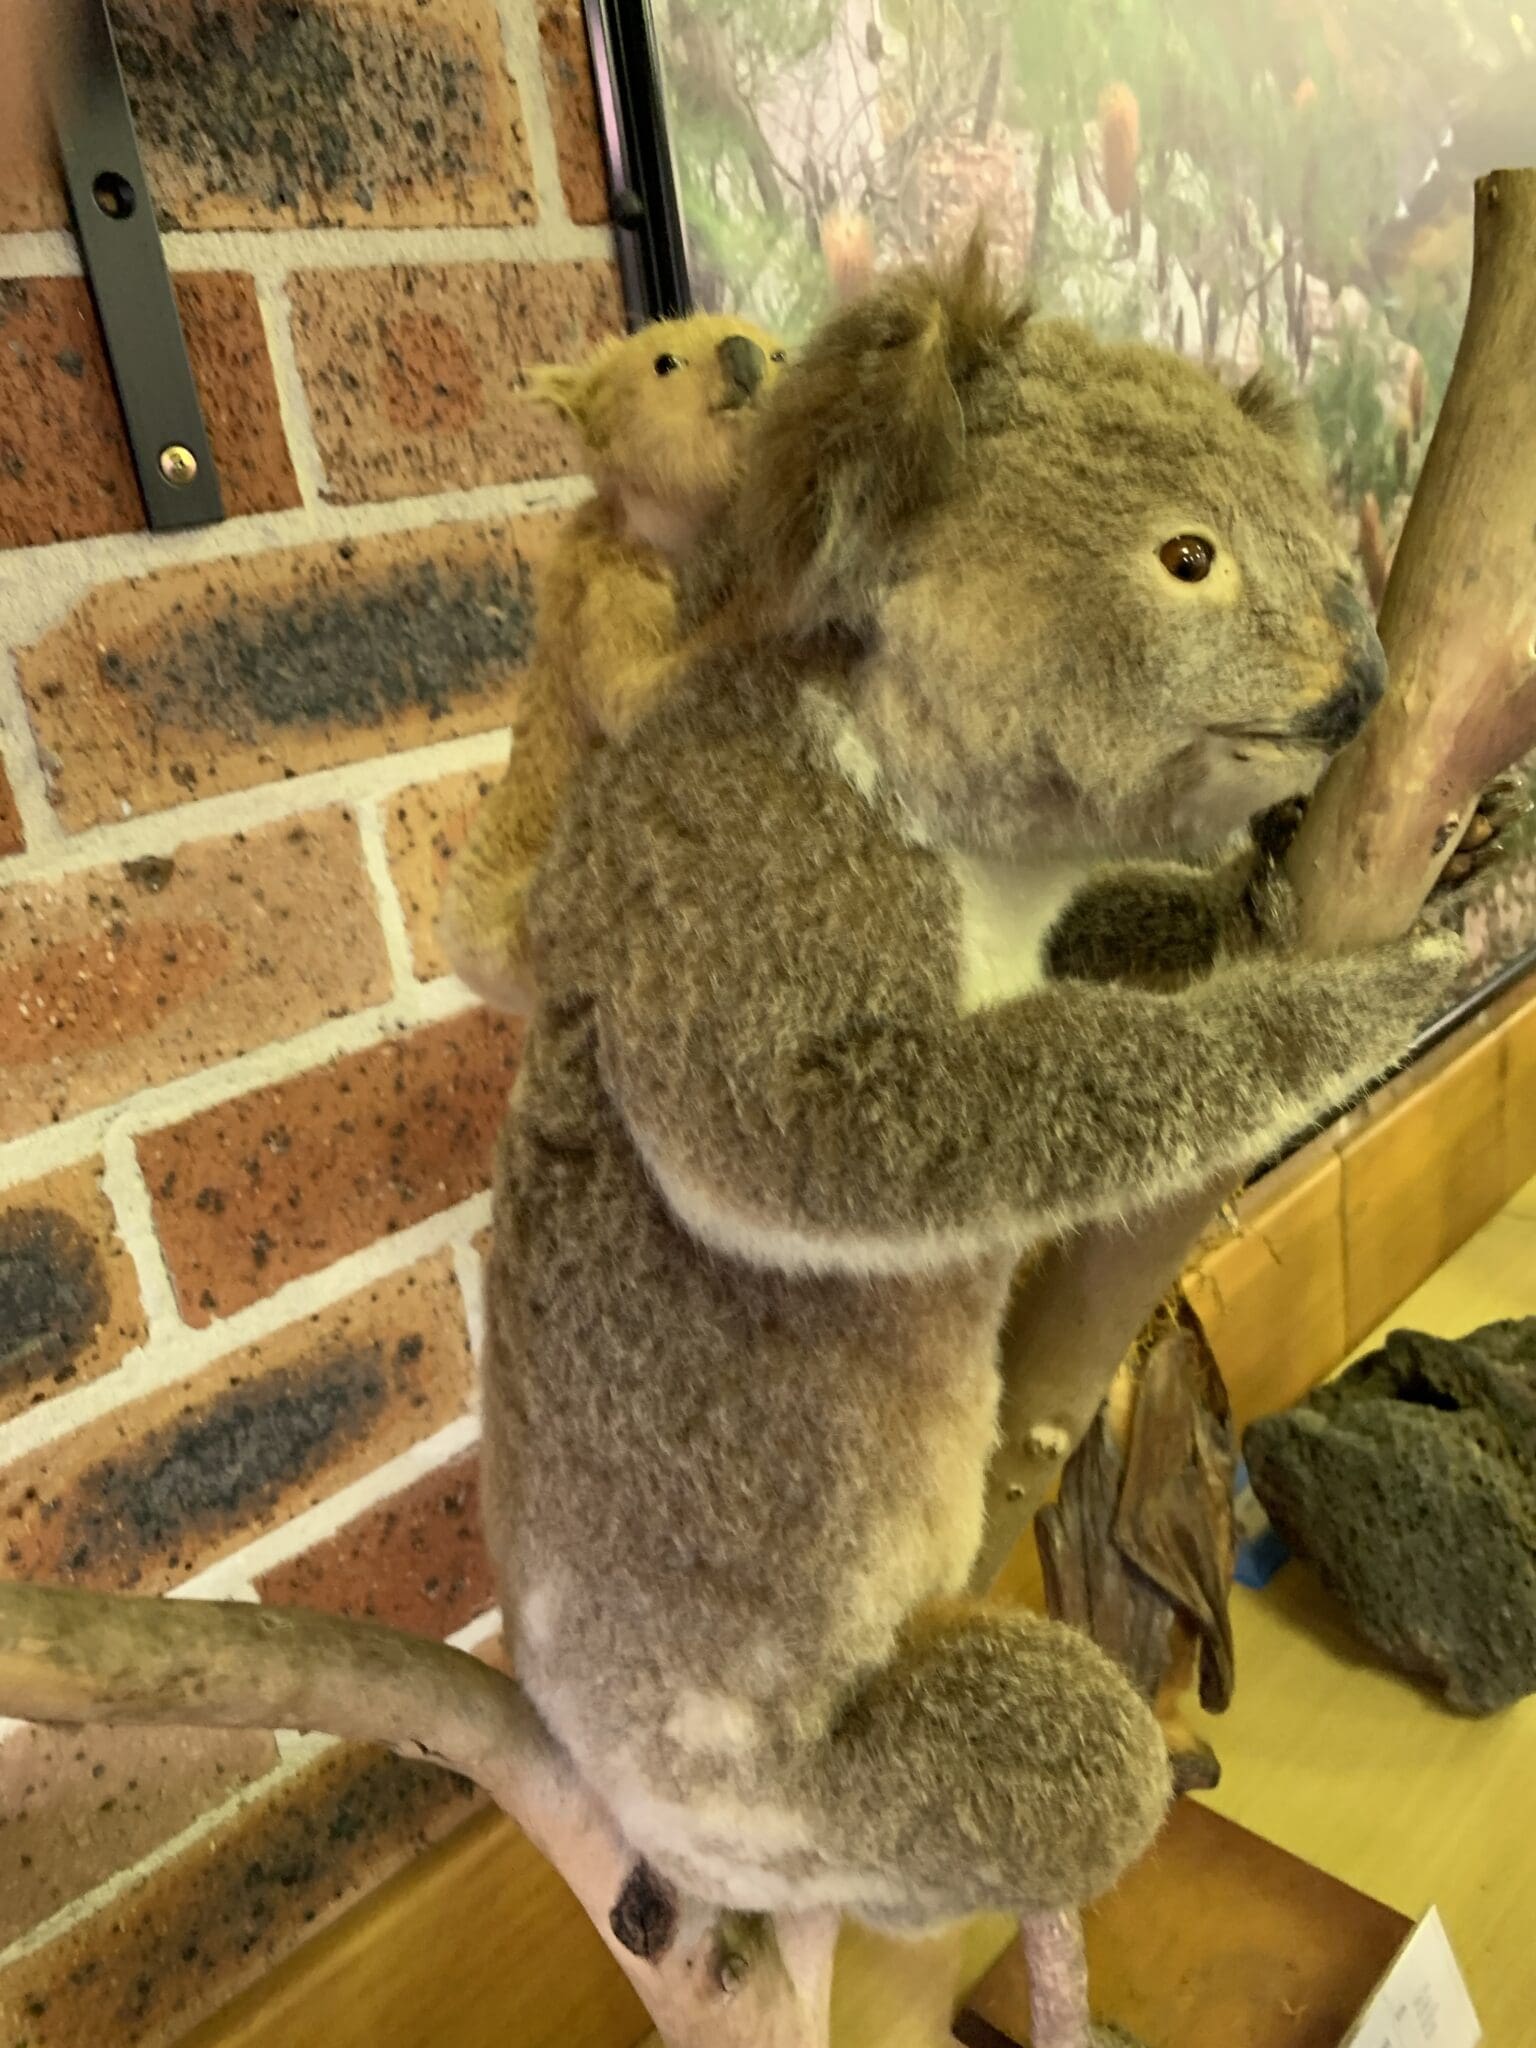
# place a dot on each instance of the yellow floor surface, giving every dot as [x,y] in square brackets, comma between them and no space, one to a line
[1328,1752]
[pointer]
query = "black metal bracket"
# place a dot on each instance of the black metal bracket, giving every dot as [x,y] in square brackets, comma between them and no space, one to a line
[632,119]
[125,264]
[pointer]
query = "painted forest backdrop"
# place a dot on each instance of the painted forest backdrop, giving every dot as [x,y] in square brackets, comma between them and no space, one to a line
[1279,182]
[1250,181]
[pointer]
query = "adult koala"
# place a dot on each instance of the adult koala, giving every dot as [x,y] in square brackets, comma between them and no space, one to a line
[866,964]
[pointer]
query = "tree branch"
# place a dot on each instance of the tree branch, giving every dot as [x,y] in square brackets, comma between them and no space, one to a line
[1457,624]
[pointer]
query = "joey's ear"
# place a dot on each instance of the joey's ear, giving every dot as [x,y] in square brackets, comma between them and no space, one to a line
[562,389]
[864,431]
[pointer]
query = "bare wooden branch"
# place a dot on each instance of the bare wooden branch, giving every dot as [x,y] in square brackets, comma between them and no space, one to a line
[1058,1980]
[71,1656]
[1458,621]
[1458,626]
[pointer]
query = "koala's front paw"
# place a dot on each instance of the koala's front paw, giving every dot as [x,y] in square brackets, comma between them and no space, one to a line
[1273,830]
[1356,1015]
[1506,799]
[1409,981]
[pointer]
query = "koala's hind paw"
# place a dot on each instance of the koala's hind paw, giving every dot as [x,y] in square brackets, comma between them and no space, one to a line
[1506,799]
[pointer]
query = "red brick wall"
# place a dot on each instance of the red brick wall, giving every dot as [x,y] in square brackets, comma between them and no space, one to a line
[245,1119]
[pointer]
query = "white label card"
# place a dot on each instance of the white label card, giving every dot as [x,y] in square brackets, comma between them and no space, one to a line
[1423,2001]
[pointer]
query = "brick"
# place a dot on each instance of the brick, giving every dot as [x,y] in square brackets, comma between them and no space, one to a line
[252,1193]
[152,1492]
[69,1295]
[237,672]
[12,838]
[31,187]
[65,469]
[325,113]
[295,113]
[78,1804]
[415,374]
[567,63]
[424,828]
[127,976]
[142,1970]
[418,1560]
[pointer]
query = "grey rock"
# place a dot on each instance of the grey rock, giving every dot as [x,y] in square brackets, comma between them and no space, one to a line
[1410,1482]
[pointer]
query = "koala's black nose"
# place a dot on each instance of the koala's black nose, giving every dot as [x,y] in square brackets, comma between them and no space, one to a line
[743,363]
[1339,717]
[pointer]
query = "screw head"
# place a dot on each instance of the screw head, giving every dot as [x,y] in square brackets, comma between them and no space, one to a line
[178,465]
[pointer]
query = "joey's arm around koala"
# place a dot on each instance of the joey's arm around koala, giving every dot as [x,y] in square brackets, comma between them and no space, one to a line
[483,920]
[625,637]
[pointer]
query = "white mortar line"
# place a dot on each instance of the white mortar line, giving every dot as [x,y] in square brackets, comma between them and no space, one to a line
[185,1352]
[234,1577]
[54,1145]
[122,1882]
[292,398]
[123,1183]
[469,1268]
[296,1746]
[246,810]
[397,937]
[46,252]
[39,585]
[275,252]
[525,63]
[483,1629]
[270,253]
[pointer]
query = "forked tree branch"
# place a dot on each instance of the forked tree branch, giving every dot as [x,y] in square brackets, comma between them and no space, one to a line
[1458,625]
[71,1656]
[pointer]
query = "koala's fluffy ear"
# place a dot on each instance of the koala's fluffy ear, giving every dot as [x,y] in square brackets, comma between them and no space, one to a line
[562,389]
[863,431]
[1265,400]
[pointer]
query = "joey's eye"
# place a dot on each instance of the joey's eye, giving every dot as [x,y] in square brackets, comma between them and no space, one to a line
[780,355]
[665,365]
[1188,557]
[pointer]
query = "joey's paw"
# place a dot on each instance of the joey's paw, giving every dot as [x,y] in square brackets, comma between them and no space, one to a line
[1506,799]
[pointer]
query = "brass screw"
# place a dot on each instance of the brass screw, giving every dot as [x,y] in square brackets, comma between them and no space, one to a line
[178,465]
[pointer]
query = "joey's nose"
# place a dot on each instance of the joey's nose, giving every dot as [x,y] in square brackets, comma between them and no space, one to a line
[743,363]
[1340,716]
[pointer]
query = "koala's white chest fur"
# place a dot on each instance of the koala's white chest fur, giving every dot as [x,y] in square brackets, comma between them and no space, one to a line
[1006,911]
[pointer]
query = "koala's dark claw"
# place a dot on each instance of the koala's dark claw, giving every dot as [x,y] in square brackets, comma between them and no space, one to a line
[1506,799]
[645,1916]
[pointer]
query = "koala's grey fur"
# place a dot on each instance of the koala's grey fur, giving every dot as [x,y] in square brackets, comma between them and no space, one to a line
[866,963]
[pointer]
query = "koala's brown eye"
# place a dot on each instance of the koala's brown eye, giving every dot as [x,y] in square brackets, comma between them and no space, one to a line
[1188,557]
[665,365]
[779,355]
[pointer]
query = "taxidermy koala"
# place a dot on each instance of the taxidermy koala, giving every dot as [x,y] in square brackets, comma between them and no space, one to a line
[875,956]
[661,415]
